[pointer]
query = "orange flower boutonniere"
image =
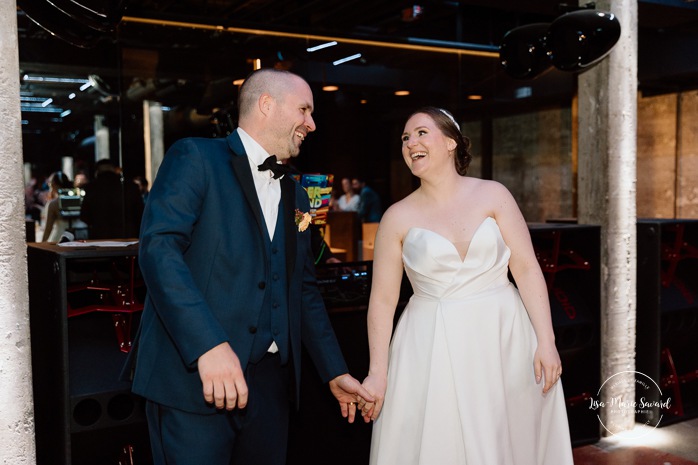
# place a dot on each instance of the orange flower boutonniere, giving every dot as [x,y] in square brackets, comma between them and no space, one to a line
[303,220]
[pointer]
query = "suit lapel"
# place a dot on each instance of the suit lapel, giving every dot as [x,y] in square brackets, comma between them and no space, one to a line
[288,209]
[241,167]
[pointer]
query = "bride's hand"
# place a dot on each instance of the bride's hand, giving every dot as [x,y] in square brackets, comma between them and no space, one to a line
[546,364]
[376,386]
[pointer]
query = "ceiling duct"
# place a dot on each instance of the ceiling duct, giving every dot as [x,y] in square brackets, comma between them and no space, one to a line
[79,24]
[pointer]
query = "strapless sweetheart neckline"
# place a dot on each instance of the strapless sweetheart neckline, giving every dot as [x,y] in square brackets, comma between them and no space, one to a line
[455,249]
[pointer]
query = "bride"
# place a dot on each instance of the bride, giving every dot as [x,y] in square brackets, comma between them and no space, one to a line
[472,373]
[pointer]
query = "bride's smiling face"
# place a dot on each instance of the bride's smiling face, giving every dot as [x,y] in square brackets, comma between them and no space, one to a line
[424,146]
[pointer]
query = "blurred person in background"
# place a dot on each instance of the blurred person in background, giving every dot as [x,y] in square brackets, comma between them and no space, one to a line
[111,207]
[54,224]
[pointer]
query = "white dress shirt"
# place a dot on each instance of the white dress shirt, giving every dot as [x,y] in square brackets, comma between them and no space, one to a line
[268,189]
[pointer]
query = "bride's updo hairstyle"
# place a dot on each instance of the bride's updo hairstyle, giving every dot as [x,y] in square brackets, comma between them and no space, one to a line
[448,125]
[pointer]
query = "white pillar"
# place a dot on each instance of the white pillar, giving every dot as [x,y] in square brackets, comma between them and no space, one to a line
[153,135]
[101,139]
[607,191]
[16,401]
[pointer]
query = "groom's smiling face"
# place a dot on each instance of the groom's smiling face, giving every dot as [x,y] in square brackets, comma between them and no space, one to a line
[292,119]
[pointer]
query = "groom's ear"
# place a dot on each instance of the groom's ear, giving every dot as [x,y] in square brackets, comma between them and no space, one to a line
[265,102]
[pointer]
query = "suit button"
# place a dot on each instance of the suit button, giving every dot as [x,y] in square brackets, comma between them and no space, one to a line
[274,250]
[252,329]
[262,285]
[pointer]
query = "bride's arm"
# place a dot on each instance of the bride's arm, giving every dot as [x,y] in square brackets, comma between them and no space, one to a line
[385,292]
[530,282]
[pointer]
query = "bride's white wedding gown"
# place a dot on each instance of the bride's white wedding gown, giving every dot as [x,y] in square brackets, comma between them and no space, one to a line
[461,386]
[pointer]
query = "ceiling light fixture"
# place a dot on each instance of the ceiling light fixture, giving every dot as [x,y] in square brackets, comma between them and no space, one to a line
[238,82]
[47,102]
[402,93]
[71,95]
[321,46]
[39,109]
[66,113]
[85,86]
[330,88]
[424,45]
[53,79]
[474,97]
[345,59]
[523,92]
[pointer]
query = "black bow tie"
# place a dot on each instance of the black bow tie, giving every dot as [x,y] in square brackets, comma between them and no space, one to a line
[277,168]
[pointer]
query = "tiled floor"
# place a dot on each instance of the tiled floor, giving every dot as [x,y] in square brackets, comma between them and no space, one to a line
[675,444]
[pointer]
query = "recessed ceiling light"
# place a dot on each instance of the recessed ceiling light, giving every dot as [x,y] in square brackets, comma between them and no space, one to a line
[364,101]
[238,82]
[330,88]
[474,97]
[321,46]
[53,79]
[401,93]
[345,59]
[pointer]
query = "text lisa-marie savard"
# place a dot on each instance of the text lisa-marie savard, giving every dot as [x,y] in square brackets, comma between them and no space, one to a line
[619,403]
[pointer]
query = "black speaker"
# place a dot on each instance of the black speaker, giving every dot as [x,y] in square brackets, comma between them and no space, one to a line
[84,303]
[667,318]
[569,256]
[317,430]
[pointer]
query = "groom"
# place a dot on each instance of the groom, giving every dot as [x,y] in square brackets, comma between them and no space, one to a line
[231,289]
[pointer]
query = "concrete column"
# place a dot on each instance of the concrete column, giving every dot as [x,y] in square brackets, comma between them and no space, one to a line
[153,135]
[607,191]
[16,401]
[101,139]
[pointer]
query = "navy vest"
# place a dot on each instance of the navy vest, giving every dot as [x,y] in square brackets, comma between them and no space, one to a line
[273,318]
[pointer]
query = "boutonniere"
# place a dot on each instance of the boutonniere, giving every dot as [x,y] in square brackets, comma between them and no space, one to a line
[303,220]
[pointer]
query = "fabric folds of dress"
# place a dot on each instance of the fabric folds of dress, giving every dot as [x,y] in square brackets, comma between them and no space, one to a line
[461,386]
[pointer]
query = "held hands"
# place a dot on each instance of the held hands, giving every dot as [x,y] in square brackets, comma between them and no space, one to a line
[546,364]
[222,378]
[348,391]
[376,385]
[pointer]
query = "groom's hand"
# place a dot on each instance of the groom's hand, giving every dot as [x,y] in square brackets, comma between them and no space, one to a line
[347,390]
[222,378]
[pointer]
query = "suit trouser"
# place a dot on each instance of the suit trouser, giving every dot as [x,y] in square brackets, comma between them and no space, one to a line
[257,434]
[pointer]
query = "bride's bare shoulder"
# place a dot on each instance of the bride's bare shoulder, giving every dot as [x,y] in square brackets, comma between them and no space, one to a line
[399,215]
[488,188]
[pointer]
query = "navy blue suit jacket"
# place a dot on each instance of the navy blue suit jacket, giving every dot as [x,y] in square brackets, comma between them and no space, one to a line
[204,262]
